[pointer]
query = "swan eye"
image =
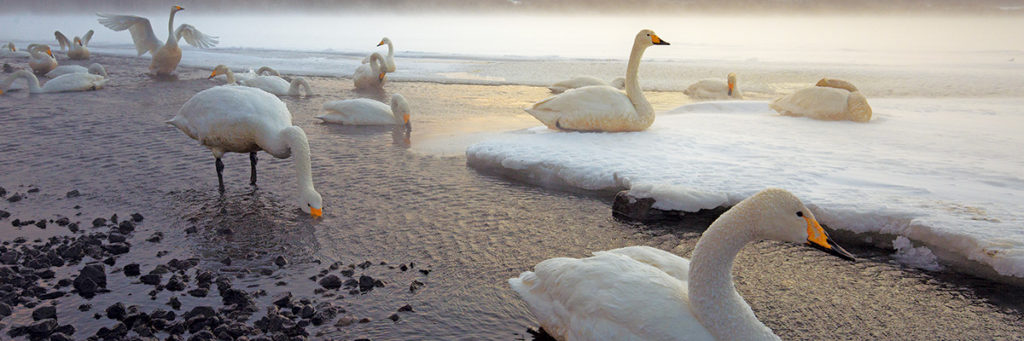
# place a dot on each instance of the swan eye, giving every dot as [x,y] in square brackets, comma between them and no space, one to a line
[799,213]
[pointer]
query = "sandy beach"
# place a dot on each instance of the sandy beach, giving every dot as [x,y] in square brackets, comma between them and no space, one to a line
[394,201]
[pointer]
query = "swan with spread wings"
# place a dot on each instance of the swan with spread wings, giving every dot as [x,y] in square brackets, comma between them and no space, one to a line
[165,56]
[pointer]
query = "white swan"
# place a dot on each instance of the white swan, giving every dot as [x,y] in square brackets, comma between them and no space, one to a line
[715,89]
[642,293]
[365,111]
[831,100]
[165,56]
[64,83]
[389,60]
[94,68]
[582,81]
[42,60]
[272,84]
[77,48]
[372,75]
[240,119]
[9,51]
[603,108]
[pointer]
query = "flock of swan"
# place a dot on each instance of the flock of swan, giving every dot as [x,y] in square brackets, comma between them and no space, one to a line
[628,293]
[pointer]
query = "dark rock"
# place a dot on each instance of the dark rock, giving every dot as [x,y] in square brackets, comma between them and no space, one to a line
[200,311]
[136,217]
[42,328]
[63,282]
[117,248]
[33,190]
[280,261]
[175,284]
[110,261]
[72,194]
[51,295]
[85,307]
[325,312]
[66,329]
[239,298]
[151,279]
[161,254]
[132,270]
[415,286]
[10,257]
[115,237]
[4,214]
[403,267]
[366,283]
[113,218]
[14,198]
[99,222]
[225,231]
[226,261]
[60,337]
[41,224]
[405,308]
[348,272]
[126,227]
[393,317]
[330,282]
[284,300]
[425,272]
[365,320]
[16,222]
[64,221]
[5,310]
[345,321]
[73,227]
[365,265]
[91,278]
[199,292]
[45,312]
[191,230]
[156,237]
[174,303]
[3,191]
[116,311]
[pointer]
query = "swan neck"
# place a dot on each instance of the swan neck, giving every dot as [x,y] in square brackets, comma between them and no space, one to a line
[171,39]
[297,143]
[713,296]
[633,90]
[33,82]
[391,50]
[230,75]
[297,84]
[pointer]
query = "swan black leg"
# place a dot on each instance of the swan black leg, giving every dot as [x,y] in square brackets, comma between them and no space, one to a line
[253,160]
[220,174]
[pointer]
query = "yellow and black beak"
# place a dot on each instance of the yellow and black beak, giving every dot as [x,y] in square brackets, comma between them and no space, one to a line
[380,43]
[49,52]
[731,86]
[178,8]
[381,76]
[316,212]
[408,124]
[212,74]
[818,239]
[657,40]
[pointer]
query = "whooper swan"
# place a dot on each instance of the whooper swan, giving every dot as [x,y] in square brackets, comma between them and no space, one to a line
[272,84]
[240,119]
[94,68]
[831,99]
[642,293]
[165,56]
[372,75]
[64,83]
[389,60]
[365,111]
[582,81]
[715,89]
[77,48]
[603,108]
[9,51]
[42,60]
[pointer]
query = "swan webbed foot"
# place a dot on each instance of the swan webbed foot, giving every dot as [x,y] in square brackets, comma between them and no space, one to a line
[253,160]
[220,174]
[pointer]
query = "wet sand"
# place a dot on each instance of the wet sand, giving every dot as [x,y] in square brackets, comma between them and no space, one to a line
[399,200]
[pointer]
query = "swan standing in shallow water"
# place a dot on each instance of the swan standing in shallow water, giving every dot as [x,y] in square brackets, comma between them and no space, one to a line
[165,56]
[365,111]
[94,68]
[77,48]
[240,119]
[272,84]
[389,60]
[10,51]
[64,83]
[42,59]
[603,108]
[582,81]
[830,99]
[372,75]
[642,293]
[715,89]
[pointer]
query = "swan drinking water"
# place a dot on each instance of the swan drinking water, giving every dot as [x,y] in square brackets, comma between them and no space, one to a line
[642,293]
[63,83]
[240,119]
[365,111]
[603,108]
[272,84]
[165,56]
[582,81]
[372,75]
[77,48]
[715,89]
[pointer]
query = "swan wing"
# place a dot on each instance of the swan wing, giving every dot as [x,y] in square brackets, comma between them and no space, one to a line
[708,88]
[577,82]
[272,84]
[86,38]
[227,117]
[675,266]
[194,37]
[609,296]
[66,69]
[816,102]
[63,40]
[586,108]
[360,111]
[140,28]
[75,82]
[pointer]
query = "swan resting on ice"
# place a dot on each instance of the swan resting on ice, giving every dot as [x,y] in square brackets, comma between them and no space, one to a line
[830,99]
[642,293]
[240,119]
[582,81]
[715,89]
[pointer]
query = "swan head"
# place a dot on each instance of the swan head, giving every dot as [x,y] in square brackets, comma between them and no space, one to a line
[10,46]
[175,9]
[312,202]
[732,82]
[78,41]
[219,70]
[98,69]
[384,41]
[401,110]
[647,38]
[783,217]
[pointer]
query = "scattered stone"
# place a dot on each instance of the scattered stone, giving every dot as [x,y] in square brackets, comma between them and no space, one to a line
[199,292]
[131,270]
[403,267]
[46,312]
[151,279]
[52,295]
[174,303]
[175,284]
[348,272]
[136,217]
[113,218]
[41,224]
[33,190]
[366,283]
[415,286]
[393,317]
[63,221]
[425,272]
[117,248]
[365,320]
[226,261]
[405,308]
[72,194]
[280,261]
[110,261]
[365,265]
[225,231]
[85,307]
[14,198]
[284,300]
[191,230]
[345,321]
[90,279]
[3,191]
[116,311]
[99,222]
[125,227]
[115,237]
[156,237]
[330,282]
[4,214]
[73,227]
